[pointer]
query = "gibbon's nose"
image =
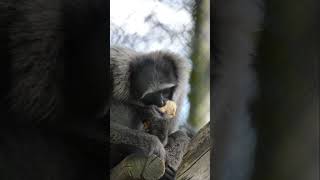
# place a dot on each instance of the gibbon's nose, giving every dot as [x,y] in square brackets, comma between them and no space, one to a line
[161,101]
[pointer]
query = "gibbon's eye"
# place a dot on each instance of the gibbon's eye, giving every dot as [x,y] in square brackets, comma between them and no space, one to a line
[151,98]
[167,93]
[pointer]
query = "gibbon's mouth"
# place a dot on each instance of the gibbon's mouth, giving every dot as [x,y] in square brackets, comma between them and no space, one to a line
[168,111]
[157,110]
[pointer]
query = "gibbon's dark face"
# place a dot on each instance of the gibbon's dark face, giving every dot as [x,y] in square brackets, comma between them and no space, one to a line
[153,82]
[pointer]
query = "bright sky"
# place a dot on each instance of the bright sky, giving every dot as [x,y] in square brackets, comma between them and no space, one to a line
[130,15]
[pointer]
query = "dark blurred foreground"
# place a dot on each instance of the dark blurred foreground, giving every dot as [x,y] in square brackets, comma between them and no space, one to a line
[277,138]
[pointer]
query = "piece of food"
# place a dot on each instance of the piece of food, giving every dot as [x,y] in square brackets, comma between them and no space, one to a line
[170,108]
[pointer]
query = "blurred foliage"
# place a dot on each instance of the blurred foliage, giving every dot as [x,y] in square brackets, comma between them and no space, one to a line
[158,30]
[200,80]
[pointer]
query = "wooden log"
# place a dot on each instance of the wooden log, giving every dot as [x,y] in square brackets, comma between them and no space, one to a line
[137,166]
[195,164]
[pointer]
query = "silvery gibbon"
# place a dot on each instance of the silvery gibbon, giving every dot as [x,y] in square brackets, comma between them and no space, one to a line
[142,85]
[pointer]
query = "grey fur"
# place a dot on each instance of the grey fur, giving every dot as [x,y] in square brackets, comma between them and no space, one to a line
[120,59]
[126,126]
[29,43]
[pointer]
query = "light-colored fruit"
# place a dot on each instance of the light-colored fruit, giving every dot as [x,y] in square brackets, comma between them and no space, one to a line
[170,109]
